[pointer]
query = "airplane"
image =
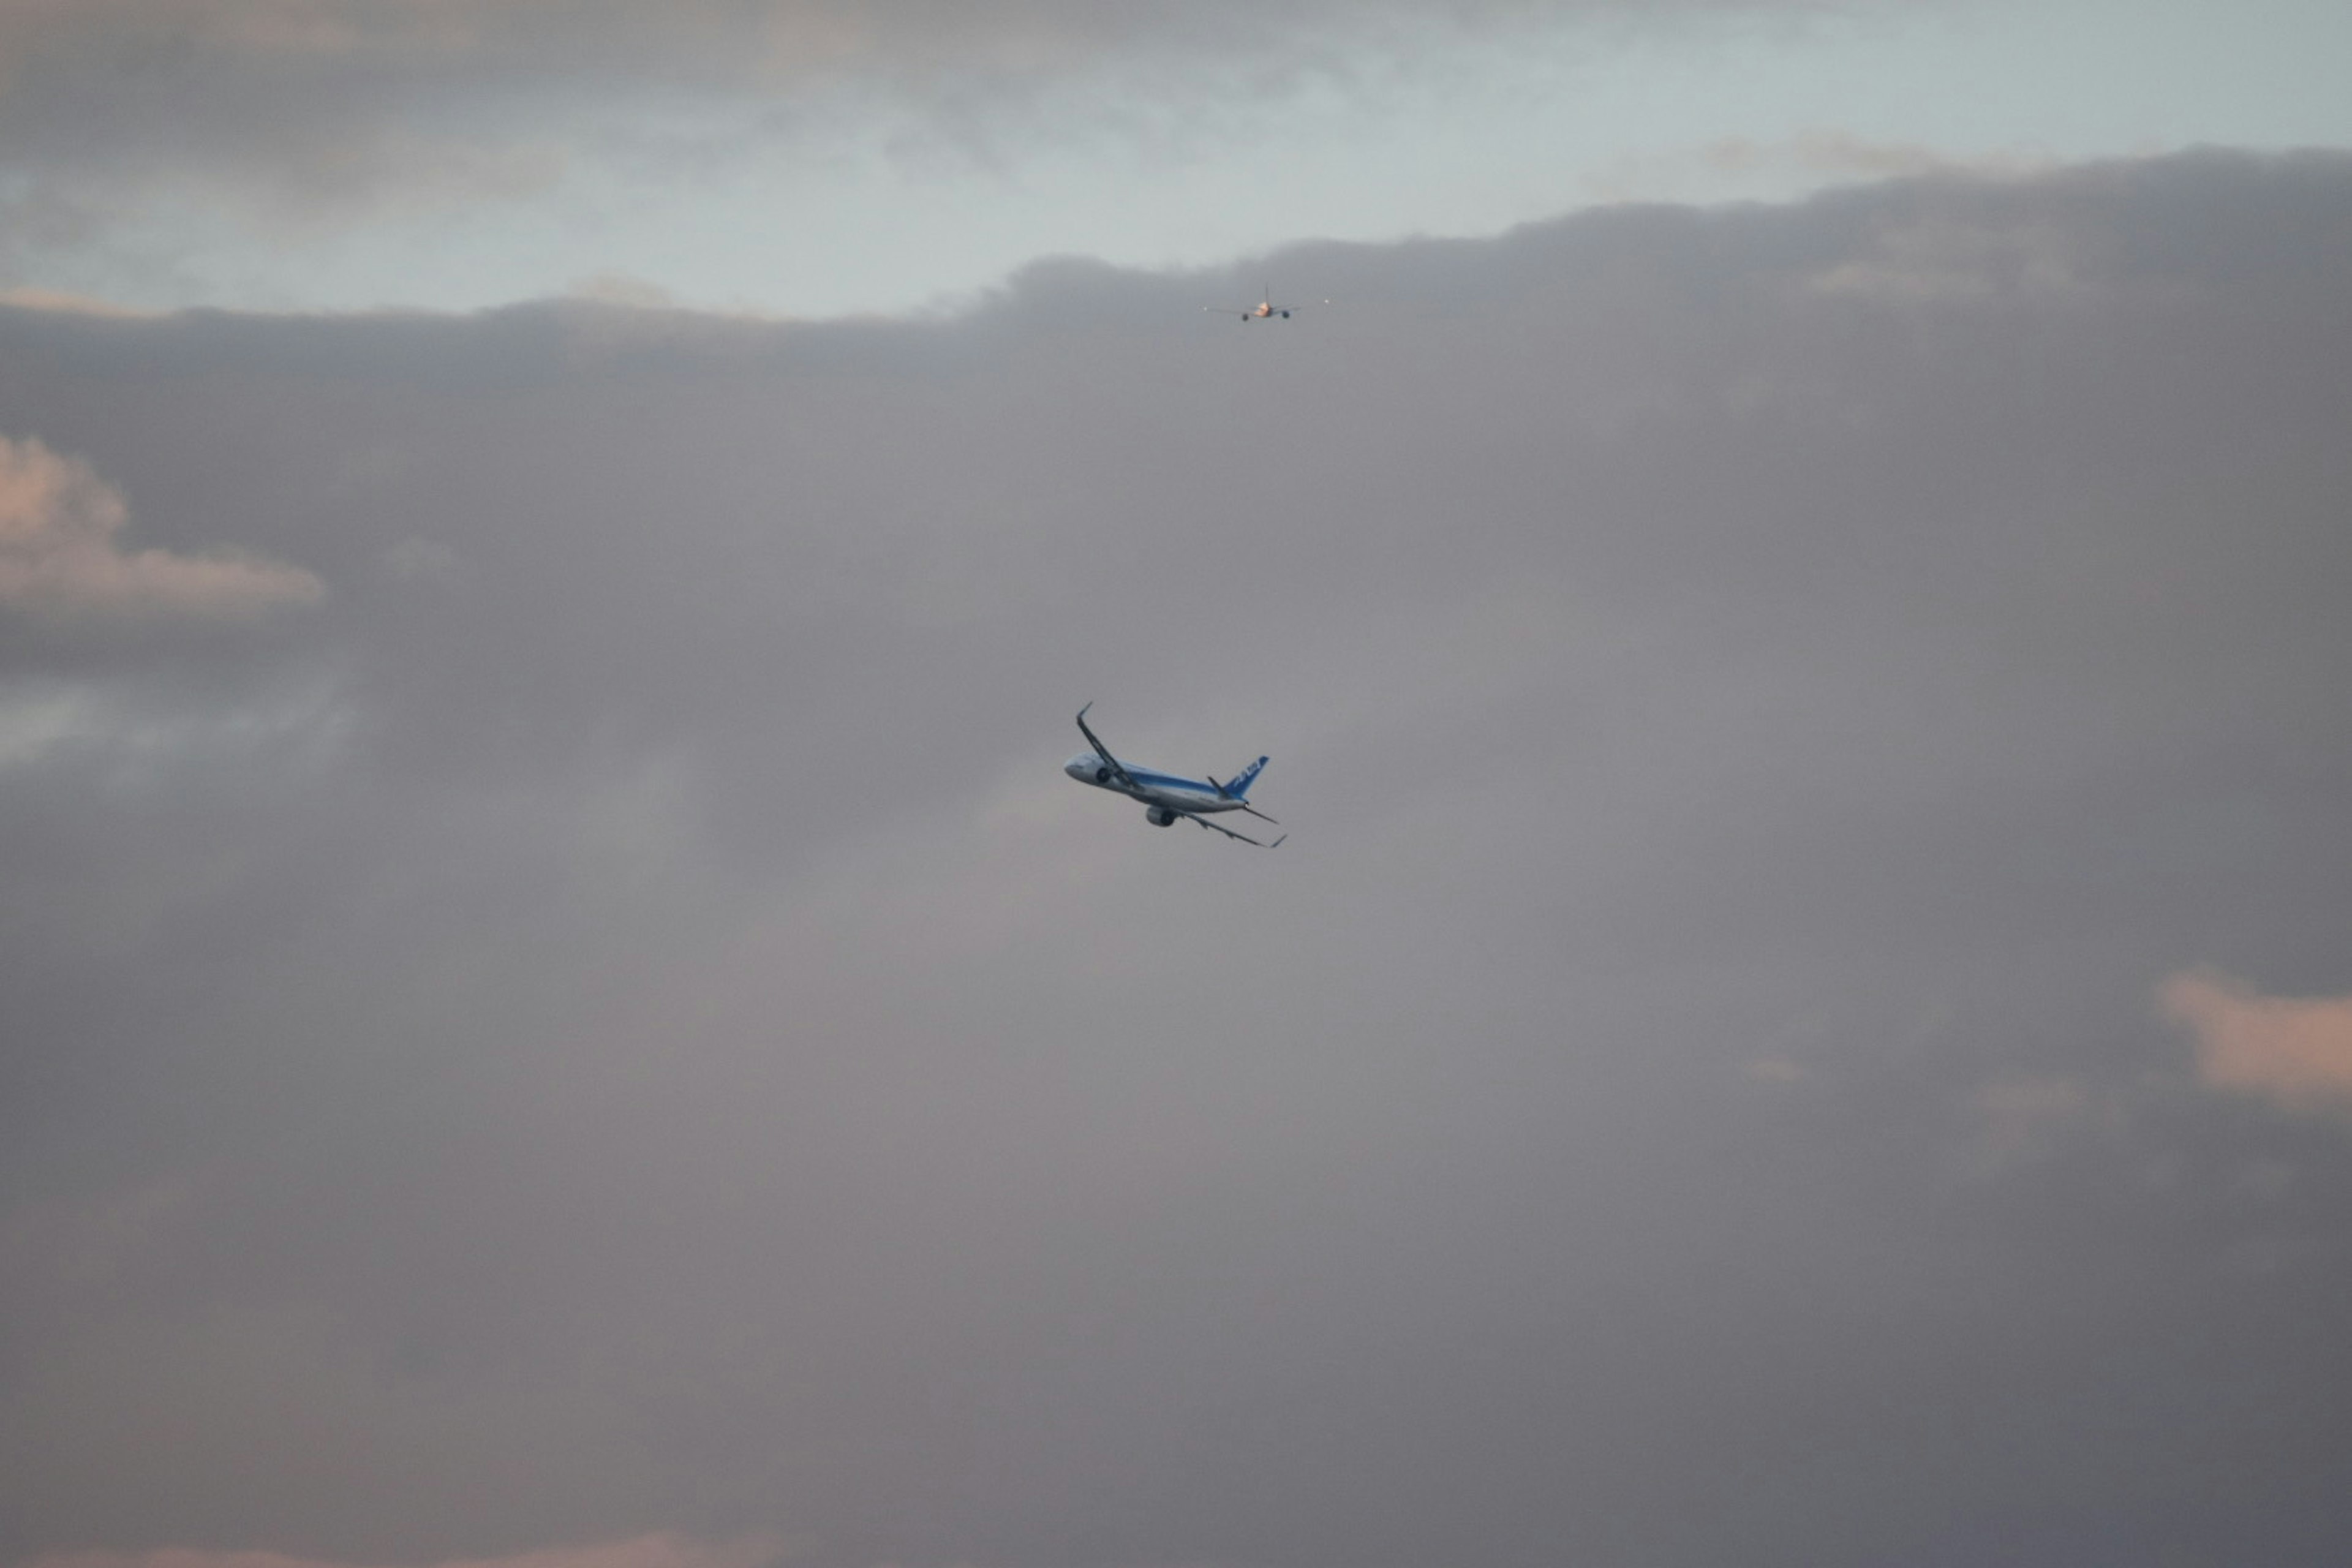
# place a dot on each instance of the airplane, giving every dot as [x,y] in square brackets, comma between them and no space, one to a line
[1266,309]
[1165,796]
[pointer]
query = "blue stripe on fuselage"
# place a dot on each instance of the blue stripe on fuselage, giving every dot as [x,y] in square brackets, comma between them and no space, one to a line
[1153,788]
[1151,780]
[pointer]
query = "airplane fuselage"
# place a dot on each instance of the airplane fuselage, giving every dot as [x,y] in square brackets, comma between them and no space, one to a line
[1193,797]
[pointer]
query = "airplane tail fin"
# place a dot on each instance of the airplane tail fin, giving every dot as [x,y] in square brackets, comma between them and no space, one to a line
[1239,788]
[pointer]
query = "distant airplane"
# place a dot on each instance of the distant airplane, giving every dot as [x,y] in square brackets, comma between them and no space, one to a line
[1165,796]
[1263,310]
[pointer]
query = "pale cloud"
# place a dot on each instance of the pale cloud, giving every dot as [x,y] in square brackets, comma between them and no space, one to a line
[659,1550]
[1824,153]
[418,559]
[624,289]
[2296,1052]
[60,560]
[2020,1118]
[30,726]
[1860,157]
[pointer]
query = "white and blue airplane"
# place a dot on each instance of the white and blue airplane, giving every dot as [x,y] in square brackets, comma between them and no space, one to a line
[1165,796]
[1265,309]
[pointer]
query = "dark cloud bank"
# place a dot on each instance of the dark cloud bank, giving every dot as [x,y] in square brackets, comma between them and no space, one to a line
[608,1019]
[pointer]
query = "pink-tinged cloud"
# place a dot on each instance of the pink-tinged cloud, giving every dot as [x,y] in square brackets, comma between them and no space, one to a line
[58,303]
[60,558]
[660,1550]
[2296,1052]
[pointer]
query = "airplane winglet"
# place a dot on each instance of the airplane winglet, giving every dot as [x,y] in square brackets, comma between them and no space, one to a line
[1113,763]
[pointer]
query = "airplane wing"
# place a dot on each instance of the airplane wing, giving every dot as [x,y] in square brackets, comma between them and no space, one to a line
[1118,772]
[1221,311]
[1204,822]
[1245,806]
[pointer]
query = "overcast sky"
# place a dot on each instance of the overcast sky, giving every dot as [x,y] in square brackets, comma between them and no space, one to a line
[558,1011]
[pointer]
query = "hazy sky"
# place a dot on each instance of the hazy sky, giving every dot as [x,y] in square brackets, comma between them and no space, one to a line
[557,1010]
[813,157]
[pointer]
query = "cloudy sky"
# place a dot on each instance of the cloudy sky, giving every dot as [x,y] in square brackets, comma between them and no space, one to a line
[558,1012]
[808,158]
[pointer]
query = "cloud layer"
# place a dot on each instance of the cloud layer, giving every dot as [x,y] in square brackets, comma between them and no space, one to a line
[614,1021]
[332,154]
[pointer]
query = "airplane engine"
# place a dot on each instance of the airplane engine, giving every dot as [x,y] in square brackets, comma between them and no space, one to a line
[1159,817]
[1102,775]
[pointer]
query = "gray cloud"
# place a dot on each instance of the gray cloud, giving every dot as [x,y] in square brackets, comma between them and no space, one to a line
[616,1023]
